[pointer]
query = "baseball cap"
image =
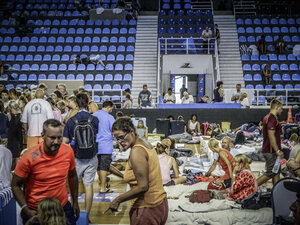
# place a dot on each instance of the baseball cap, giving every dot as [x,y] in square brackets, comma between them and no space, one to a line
[293,186]
[33,86]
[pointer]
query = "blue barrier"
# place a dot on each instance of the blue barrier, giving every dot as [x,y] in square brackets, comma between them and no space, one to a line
[200,106]
[83,218]
[7,208]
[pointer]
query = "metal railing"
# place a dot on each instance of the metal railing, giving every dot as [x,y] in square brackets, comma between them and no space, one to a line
[93,96]
[264,96]
[186,45]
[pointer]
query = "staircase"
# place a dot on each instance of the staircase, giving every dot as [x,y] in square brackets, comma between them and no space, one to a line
[247,7]
[145,57]
[201,4]
[229,58]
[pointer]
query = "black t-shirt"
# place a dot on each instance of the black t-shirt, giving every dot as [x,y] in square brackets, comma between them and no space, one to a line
[85,61]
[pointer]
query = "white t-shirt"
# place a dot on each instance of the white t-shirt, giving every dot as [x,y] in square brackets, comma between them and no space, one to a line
[206,34]
[170,97]
[237,95]
[36,112]
[5,165]
[245,103]
[187,101]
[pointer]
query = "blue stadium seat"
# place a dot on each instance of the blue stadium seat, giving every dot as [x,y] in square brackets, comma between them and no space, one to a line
[284,30]
[22,77]
[120,57]
[97,30]
[47,57]
[16,66]
[295,38]
[78,40]
[62,67]
[112,48]
[50,48]
[297,86]
[239,21]
[42,77]
[251,39]
[241,30]
[111,57]
[20,58]
[123,30]
[61,77]
[9,57]
[247,67]
[258,30]
[71,67]
[70,76]
[90,67]
[249,30]
[275,30]
[293,67]
[126,86]
[127,77]
[274,67]
[130,48]
[85,48]
[87,40]
[291,57]
[65,57]
[9,86]
[81,67]
[289,86]
[25,67]
[267,30]
[269,38]
[118,77]
[256,21]
[284,67]
[291,21]
[282,57]
[128,67]
[263,58]
[274,21]
[16,40]
[247,77]
[53,67]
[94,48]
[286,77]
[118,67]
[80,77]
[99,67]
[276,77]
[295,77]
[89,77]
[99,77]
[34,67]
[32,77]
[255,67]
[279,86]
[13,48]
[129,57]
[108,77]
[103,48]
[257,77]
[121,48]
[273,57]
[4,48]
[259,86]
[51,77]
[106,86]
[88,87]
[104,39]
[254,58]
[69,40]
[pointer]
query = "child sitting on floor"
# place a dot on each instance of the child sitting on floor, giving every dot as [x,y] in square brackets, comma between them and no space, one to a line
[168,163]
[243,181]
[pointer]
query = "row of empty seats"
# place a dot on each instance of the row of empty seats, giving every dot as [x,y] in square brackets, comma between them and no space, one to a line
[64,1]
[267,21]
[277,86]
[67,48]
[61,6]
[68,39]
[268,30]
[273,67]
[87,77]
[182,22]
[70,67]
[180,30]
[275,77]
[106,86]
[185,12]
[64,57]
[176,6]
[269,38]
[72,30]
[271,57]
[53,13]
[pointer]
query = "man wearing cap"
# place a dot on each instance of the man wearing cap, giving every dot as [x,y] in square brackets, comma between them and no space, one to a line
[36,112]
[294,186]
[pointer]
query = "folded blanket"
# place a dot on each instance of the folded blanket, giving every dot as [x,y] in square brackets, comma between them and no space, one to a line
[178,190]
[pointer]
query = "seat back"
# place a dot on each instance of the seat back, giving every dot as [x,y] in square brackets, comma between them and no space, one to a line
[281,200]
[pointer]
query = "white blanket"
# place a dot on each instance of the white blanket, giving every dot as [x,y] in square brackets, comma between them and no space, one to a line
[226,217]
[180,190]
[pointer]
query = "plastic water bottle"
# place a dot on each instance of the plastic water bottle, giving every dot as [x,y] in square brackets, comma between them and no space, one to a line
[1,185]
[276,166]
[73,142]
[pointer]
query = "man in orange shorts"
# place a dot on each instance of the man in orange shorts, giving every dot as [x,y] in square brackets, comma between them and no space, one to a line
[43,169]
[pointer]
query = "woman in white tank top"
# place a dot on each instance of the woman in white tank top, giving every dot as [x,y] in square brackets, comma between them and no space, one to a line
[193,126]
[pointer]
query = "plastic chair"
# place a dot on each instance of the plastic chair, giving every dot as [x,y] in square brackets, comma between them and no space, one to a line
[247,77]
[99,77]
[281,200]
[296,77]
[293,66]
[276,77]
[257,77]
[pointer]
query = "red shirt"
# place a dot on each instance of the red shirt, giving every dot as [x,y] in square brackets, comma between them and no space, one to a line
[270,122]
[45,175]
[224,165]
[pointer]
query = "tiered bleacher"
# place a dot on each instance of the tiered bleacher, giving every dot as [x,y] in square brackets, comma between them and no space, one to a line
[55,33]
[284,67]
[180,26]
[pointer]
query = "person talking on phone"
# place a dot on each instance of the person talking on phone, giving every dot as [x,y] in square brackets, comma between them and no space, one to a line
[243,181]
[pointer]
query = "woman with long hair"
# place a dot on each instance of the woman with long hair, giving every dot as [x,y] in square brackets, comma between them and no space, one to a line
[193,126]
[150,205]
[73,108]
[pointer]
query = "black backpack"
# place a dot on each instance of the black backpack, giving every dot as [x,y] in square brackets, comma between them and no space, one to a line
[85,144]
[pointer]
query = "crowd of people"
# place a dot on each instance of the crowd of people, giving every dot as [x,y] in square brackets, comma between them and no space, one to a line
[51,139]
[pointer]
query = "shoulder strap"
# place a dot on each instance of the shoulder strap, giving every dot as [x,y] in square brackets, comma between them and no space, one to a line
[74,119]
[90,119]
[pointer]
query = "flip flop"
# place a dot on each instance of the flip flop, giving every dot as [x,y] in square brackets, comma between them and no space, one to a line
[106,192]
